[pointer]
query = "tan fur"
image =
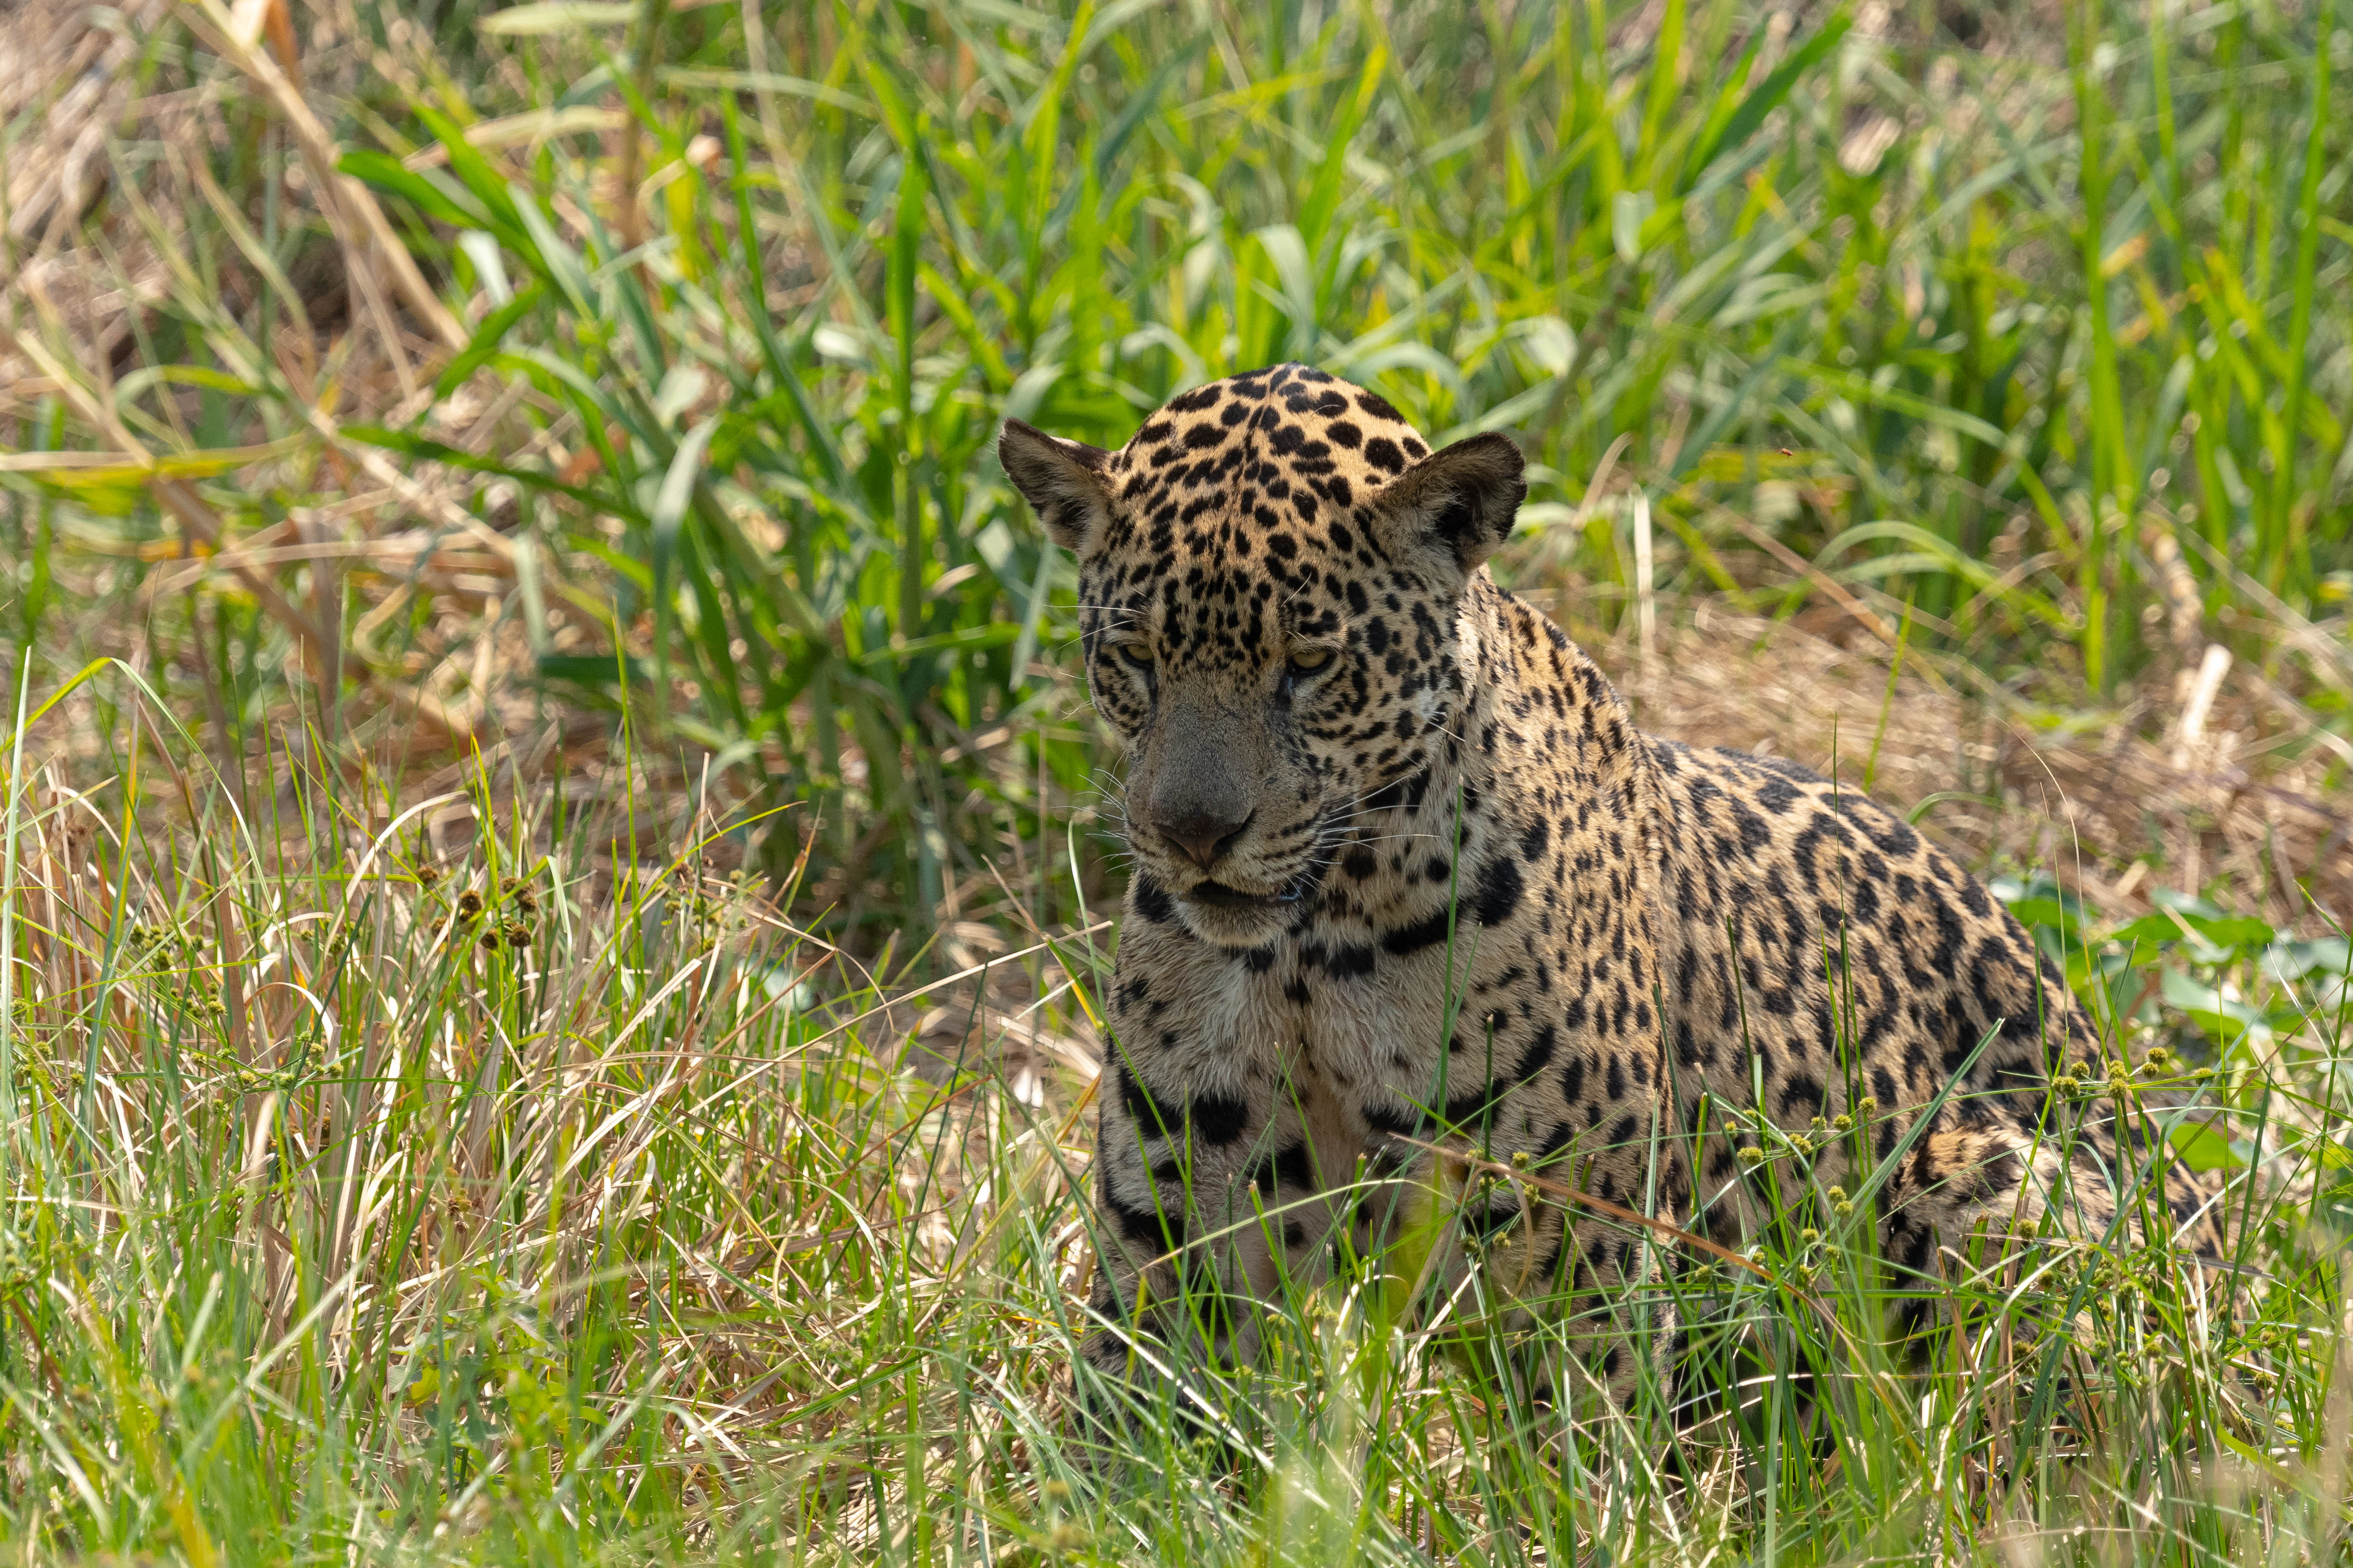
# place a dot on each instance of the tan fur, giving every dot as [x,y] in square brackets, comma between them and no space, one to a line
[1468,903]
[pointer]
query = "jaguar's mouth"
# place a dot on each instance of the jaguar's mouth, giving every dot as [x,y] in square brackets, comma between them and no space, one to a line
[1218,896]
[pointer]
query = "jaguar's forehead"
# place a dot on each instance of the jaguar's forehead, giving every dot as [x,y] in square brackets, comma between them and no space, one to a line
[1262,473]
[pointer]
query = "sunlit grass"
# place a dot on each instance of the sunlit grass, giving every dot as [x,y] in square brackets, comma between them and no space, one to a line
[419,1178]
[2043,349]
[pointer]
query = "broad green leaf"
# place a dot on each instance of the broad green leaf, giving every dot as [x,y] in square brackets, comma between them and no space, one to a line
[2204,1146]
[2220,1018]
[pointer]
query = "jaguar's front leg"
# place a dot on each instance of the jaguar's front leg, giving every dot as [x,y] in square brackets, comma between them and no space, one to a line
[1186,1239]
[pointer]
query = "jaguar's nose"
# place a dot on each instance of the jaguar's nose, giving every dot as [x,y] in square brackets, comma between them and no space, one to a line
[1203,836]
[1199,799]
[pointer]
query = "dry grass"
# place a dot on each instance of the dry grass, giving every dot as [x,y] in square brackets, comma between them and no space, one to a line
[2115,803]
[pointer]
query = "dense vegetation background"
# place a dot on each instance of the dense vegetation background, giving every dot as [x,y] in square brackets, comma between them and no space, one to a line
[553,892]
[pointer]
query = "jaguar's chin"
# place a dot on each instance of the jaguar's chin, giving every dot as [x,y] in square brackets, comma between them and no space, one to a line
[1231,916]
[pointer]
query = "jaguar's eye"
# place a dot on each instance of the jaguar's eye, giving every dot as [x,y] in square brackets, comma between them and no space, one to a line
[1308,660]
[1137,653]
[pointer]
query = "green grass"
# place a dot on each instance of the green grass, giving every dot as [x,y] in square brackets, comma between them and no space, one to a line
[448,1106]
[444,1183]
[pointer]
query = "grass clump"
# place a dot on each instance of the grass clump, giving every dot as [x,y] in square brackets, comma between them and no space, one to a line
[448,1179]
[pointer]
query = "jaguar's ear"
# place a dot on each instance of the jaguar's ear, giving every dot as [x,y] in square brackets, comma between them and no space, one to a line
[1063,481]
[1460,503]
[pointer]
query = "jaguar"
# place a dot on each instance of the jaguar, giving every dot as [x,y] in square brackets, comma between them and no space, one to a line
[1419,921]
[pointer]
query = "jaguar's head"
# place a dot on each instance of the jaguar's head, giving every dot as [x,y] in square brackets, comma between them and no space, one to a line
[1269,578]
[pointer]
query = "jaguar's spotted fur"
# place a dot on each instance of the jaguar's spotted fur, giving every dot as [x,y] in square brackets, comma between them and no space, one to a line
[1406,871]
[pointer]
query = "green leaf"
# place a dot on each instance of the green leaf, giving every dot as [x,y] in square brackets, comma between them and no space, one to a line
[2048,912]
[1773,89]
[2236,932]
[2150,931]
[443,201]
[2220,1018]
[484,345]
[1629,210]
[2180,912]
[2184,904]
[478,175]
[570,377]
[2227,932]
[2289,961]
[678,483]
[2202,1146]
[967,639]
[667,514]
[2040,901]
[110,471]
[1726,105]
